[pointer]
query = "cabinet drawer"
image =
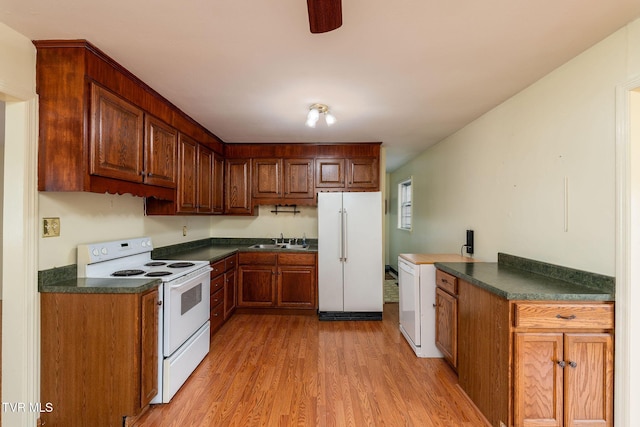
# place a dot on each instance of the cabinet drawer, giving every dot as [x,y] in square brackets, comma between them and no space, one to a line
[216,316]
[296,259]
[230,262]
[584,316]
[263,258]
[217,268]
[447,282]
[217,283]
[216,298]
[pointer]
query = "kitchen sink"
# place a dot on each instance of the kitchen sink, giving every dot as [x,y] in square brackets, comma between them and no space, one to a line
[278,246]
[265,246]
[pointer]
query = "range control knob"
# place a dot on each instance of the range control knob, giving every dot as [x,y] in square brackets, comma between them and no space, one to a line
[104,251]
[95,252]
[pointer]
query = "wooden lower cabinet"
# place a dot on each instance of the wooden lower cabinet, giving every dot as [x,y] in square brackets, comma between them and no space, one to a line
[535,363]
[563,379]
[99,356]
[447,326]
[223,291]
[277,280]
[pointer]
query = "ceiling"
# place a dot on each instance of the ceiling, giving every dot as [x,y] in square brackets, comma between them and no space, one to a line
[407,73]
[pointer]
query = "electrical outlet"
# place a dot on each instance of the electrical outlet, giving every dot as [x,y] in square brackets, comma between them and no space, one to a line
[50,227]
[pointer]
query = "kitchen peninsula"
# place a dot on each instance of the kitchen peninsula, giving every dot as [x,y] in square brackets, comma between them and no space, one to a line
[535,341]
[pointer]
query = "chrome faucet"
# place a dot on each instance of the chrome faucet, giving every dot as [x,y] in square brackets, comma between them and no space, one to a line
[281,238]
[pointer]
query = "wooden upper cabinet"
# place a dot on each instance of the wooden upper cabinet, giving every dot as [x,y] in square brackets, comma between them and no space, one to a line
[160,152]
[362,173]
[237,191]
[101,129]
[330,173]
[205,180]
[267,178]
[276,179]
[298,178]
[218,184]
[117,129]
[187,180]
[347,173]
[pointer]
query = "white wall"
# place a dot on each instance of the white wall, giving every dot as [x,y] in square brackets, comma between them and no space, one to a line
[504,174]
[267,224]
[91,217]
[2,118]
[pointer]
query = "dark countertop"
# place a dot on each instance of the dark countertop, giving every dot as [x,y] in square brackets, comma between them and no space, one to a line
[65,280]
[100,286]
[520,279]
[215,253]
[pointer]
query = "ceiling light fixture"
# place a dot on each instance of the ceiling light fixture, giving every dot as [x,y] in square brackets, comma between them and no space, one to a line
[314,115]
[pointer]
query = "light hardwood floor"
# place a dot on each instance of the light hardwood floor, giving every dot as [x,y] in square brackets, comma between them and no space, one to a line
[279,370]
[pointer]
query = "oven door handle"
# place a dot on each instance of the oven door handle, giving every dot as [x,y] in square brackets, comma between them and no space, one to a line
[189,280]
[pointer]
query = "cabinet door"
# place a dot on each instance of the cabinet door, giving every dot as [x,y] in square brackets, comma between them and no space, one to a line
[538,379]
[205,180]
[447,326]
[149,347]
[187,182]
[362,173]
[218,184]
[267,178]
[297,287]
[160,145]
[298,178]
[329,173]
[256,286]
[588,379]
[117,129]
[229,293]
[237,191]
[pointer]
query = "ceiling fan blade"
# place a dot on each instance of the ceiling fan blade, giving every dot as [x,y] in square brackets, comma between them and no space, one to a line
[324,15]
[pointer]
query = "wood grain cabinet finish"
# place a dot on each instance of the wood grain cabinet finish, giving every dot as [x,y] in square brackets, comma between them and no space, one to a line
[195,186]
[277,280]
[278,181]
[563,373]
[223,291]
[218,184]
[536,363]
[160,152]
[117,132]
[101,129]
[237,190]
[447,316]
[348,173]
[99,356]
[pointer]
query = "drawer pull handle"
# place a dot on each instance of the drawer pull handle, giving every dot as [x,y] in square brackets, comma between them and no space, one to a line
[570,317]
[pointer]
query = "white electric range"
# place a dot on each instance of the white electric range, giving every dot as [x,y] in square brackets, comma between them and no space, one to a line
[183,324]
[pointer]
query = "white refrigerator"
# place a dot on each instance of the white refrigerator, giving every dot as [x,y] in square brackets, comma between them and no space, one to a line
[350,264]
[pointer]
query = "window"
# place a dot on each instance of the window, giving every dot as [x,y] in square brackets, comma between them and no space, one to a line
[405,196]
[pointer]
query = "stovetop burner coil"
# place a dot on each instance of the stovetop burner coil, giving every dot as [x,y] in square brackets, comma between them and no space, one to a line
[158,273]
[180,264]
[126,273]
[155,264]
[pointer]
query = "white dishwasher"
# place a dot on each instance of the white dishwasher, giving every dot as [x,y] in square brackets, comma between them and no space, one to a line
[417,283]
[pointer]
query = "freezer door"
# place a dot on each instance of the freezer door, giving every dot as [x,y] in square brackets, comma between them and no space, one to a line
[362,254]
[330,278]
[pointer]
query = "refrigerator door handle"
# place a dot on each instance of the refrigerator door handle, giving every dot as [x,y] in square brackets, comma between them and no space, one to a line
[344,236]
[341,231]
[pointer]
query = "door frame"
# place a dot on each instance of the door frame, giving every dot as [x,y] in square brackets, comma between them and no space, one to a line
[627,374]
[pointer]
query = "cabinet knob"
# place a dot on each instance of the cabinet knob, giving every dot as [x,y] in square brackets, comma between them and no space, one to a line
[573,364]
[159,303]
[561,363]
[149,174]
